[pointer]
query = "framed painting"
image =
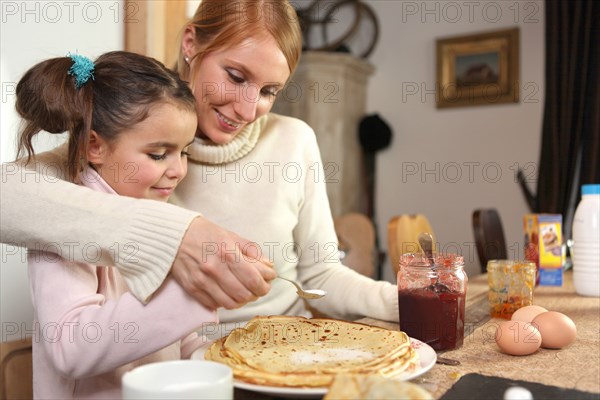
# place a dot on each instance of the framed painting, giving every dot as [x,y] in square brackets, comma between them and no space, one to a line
[478,69]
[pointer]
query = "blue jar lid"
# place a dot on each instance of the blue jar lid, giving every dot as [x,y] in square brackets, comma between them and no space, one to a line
[590,189]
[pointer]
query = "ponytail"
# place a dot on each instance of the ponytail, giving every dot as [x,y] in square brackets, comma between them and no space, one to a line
[48,100]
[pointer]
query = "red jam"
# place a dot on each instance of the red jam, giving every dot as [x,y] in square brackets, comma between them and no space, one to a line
[431,299]
[435,317]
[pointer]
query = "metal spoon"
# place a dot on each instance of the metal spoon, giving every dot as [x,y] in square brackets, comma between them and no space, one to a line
[426,243]
[306,293]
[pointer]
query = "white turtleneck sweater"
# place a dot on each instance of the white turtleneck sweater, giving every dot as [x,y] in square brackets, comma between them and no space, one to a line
[267,185]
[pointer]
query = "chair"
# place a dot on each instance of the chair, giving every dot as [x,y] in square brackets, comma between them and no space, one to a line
[403,233]
[356,236]
[16,376]
[489,236]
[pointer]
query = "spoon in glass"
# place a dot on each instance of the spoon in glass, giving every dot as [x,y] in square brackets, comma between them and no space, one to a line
[306,293]
[426,242]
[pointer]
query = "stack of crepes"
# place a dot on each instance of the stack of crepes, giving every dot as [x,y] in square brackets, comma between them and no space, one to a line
[302,352]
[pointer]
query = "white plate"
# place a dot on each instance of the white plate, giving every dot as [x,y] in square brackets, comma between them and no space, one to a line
[427,356]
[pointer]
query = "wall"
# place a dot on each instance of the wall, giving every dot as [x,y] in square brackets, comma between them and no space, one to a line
[31,32]
[445,163]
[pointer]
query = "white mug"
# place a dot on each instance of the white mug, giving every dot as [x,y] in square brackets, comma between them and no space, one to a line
[179,379]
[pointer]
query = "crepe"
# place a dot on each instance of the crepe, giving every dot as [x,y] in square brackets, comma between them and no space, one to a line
[302,352]
[374,387]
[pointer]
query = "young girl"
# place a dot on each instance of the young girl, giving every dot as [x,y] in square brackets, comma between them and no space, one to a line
[130,122]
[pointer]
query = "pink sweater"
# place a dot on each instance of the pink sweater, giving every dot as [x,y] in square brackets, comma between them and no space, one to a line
[91,330]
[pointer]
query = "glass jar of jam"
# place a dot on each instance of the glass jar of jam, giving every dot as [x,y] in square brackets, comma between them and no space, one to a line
[431,299]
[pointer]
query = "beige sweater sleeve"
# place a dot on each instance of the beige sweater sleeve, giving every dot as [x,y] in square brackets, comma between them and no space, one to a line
[41,211]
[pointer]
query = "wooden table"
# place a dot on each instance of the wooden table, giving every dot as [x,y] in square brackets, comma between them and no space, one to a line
[576,366]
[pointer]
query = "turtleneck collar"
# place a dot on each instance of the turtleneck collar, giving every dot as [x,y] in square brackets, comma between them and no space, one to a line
[204,151]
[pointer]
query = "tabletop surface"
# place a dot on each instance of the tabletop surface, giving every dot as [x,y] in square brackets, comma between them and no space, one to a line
[576,366]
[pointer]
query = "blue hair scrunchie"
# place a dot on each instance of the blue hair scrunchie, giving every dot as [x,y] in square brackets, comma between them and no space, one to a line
[82,69]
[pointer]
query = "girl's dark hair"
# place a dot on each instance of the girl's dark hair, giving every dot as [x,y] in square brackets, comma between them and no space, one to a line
[121,94]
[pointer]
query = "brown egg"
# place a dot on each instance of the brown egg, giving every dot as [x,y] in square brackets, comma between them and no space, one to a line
[518,338]
[527,313]
[557,329]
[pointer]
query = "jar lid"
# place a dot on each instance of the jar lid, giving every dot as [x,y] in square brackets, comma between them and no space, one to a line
[590,189]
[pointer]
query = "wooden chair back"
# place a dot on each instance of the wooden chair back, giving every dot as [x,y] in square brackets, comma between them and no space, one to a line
[403,233]
[489,236]
[16,372]
[356,237]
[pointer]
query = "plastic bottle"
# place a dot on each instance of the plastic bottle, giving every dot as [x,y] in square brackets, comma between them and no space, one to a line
[586,242]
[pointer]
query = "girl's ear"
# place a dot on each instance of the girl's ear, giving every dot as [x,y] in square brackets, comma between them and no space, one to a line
[97,149]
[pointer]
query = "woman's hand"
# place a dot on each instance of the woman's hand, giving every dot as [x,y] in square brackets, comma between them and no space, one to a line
[219,268]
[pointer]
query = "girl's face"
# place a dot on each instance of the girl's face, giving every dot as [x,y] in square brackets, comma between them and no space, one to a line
[235,86]
[149,160]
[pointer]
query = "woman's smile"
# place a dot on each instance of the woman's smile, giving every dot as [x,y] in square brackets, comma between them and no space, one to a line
[228,123]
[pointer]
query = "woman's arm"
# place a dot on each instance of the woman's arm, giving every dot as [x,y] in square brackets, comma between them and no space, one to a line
[86,334]
[143,238]
[40,211]
[350,294]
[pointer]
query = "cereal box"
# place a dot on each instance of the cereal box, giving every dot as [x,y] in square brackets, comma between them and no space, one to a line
[543,245]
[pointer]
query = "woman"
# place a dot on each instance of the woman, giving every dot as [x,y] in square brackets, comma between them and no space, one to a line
[260,174]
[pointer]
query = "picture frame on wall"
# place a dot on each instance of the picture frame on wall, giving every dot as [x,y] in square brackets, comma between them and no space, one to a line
[478,69]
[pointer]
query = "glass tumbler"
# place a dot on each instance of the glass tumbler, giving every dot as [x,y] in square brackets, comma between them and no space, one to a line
[511,286]
[431,299]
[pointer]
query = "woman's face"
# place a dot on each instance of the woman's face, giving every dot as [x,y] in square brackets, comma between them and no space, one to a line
[235,86]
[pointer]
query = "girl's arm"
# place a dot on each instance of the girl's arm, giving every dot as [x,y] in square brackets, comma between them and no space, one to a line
[192,343]
[87,334]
